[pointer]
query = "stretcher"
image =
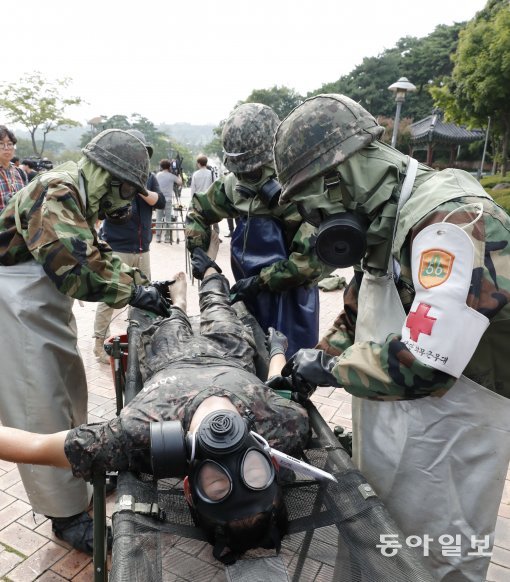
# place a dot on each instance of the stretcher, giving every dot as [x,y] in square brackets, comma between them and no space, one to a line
[338,532]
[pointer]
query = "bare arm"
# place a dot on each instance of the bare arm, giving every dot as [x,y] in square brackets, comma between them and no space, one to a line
[151,199]
[21,446]
[276,364]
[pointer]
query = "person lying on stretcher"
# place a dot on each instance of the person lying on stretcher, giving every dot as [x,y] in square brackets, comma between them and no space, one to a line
[226,421]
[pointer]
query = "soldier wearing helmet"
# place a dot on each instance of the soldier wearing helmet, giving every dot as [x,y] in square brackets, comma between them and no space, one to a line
[271,255]
[419,343]
[50,255]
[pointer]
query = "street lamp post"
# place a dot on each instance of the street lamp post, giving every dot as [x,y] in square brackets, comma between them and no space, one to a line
[400,88]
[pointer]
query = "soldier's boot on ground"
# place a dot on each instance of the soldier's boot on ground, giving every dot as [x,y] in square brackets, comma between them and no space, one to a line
[77,531]
[99,351]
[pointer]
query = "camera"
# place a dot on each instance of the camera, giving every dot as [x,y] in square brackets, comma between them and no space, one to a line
[39,164]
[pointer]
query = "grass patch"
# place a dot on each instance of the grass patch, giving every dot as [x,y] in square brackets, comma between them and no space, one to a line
[13,551]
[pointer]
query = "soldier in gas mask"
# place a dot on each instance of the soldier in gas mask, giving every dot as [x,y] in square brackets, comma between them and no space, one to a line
[420,341]
[50,254]
[203,414]
[271,255]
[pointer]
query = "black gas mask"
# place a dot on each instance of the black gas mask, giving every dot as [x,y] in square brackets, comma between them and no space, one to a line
[341,239]
[230,472]
[261,183]
[115,206]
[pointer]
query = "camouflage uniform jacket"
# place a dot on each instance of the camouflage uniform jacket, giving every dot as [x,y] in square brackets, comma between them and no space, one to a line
[123,443]
[302,266]
[183,370]
[390,370]
[55,232]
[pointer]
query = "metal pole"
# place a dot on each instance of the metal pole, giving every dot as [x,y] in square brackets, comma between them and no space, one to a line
[395,126]
[480,171]
[100,532]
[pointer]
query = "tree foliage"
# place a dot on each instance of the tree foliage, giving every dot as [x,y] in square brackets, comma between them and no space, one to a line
[215,147]
[38,105]
[282,100]
[480,83]
[162,144]
[420,60]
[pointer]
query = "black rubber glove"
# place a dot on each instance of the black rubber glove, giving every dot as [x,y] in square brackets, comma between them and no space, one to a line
[200,262]
[245,289]
[277,342]
[164,288]
[150,299]
[308,369]
[279,383]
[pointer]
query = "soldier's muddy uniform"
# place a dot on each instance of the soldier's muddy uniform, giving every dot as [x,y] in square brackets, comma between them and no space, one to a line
[49,254]
[182,371]
[421,341]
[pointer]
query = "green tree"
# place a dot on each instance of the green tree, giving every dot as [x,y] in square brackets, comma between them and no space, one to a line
[215,147]
[480,82]
[368,83]
[282,100]
[38,105]
[162,144]
[421,60]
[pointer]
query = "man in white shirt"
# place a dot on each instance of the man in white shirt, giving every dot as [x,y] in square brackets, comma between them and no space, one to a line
[166,179]
[203,177]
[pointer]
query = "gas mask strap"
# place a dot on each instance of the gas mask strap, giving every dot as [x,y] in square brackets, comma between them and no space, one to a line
[332,185]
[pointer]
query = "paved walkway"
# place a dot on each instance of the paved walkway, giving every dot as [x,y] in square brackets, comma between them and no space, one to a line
[29,551]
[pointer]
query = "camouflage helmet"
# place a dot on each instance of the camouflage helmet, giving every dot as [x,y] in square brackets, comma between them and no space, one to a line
[319,134]
[137,133]
[247,137]
[121,154]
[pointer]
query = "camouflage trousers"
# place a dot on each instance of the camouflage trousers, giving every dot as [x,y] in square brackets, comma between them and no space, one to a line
[223,334]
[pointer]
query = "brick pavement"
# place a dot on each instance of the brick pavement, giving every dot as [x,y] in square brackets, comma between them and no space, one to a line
[28,549]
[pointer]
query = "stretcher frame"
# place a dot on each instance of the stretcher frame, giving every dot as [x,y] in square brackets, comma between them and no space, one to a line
[128,382]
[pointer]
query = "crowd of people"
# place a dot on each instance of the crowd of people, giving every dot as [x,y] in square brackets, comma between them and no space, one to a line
[419,343]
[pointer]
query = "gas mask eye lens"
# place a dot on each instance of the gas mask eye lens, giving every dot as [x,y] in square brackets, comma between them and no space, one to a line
[213,482]
[125,190]
[257,472]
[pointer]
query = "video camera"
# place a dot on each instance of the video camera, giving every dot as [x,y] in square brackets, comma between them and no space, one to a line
[176,165]
[40,164]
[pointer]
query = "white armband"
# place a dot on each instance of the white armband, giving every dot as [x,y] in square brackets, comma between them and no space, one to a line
[441,330]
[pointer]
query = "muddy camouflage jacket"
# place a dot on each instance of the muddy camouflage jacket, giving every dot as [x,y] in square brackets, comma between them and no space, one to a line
[179,376]
[302,266]
[55,232]
[389,370]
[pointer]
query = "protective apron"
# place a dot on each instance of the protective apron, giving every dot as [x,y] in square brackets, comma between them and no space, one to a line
[258,242]
[44,387]
[439,464]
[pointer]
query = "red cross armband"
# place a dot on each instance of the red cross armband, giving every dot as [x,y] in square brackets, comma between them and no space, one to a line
[440,330]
